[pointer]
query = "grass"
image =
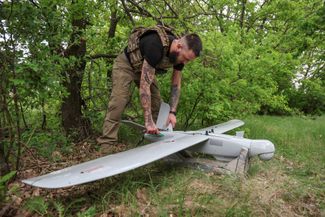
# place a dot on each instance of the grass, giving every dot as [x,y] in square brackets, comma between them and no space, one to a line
[291,184]
[300,141]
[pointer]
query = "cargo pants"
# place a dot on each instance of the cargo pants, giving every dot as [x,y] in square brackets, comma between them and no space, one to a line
[122,77]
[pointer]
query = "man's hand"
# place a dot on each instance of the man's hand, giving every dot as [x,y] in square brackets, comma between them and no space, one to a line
[171,119]
[151,128]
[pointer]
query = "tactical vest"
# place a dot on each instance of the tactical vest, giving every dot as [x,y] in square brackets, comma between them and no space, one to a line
[133,49]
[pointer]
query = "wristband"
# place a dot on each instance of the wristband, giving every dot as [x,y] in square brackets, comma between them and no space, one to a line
[171,112]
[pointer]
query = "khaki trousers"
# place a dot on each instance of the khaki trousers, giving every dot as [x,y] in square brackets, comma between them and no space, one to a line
[122,77]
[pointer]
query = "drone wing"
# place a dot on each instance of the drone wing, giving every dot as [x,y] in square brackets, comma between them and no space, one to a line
[116,163]
[224,127]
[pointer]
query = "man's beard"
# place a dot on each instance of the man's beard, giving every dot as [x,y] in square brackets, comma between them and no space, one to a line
[173,57]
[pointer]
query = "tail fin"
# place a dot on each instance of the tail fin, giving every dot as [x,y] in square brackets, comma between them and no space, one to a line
[163,117]
[161,120]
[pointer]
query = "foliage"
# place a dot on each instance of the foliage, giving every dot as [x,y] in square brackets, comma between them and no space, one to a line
[37,205]
[59,208]
[88,213]
[259,57]
[3,185]
[46,142]
[309,97]
[43,207]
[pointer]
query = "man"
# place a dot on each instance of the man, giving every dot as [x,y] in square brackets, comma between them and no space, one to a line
[150,51]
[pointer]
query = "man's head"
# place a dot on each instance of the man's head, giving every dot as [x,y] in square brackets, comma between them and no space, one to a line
[185,49]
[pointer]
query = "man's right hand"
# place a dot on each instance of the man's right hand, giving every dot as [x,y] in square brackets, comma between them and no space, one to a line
[152,129]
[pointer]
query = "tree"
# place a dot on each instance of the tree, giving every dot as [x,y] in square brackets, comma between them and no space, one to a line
[71,109]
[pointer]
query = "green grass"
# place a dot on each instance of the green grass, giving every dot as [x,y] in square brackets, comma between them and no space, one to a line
[300,140]
[291,184]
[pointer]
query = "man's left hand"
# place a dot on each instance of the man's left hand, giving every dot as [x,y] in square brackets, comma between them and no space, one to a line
[171,119]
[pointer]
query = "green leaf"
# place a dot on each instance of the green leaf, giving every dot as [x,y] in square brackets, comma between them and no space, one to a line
[7,177]
[38,205]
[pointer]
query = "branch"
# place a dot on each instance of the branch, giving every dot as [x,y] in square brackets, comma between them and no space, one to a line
[36,5]
[127,11]
[146,15]
[144,11]
[242,14]
[160,15]
[97,56]
[197,100]
[176,15]
[198,3]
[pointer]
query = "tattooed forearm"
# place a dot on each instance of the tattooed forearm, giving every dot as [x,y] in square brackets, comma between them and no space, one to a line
[175,90]
[146,104]
[147,76]
[174,97]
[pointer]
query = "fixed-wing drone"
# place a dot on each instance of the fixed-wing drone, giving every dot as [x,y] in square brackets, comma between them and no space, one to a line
[209,140]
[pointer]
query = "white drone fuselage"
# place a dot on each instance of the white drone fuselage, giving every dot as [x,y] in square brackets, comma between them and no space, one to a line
[223,147]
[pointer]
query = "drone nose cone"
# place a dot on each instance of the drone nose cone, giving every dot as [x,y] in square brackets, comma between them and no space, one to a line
[263,148]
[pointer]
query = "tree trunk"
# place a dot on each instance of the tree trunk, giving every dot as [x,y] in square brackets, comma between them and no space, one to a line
[72,117]
[3,164]
[113,24]
[242,14]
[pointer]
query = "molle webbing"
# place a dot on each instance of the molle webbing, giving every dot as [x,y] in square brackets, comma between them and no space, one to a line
[133,48]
